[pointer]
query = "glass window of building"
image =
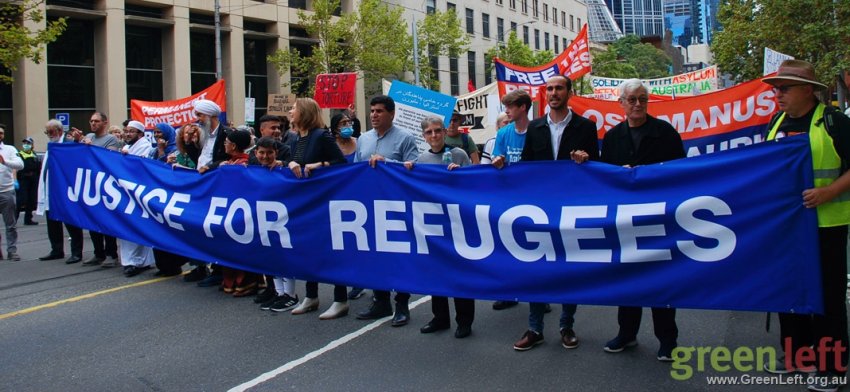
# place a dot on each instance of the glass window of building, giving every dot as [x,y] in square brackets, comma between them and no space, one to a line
[500,29]
[572,24]
[256,74]
[430,6]
[513,27]
[524,6]
[85,4]
[545,12]
[300,4]
[485,25]
[579,22]
[434,62]
[546,40]
[470,67]
[512,4]
[144,63]
[6,114]
[451,6]
[488,70]
[564,19]
[70,73]
[525,34]
[499,2]
[202,59]
[536,39]
[554,16]
[557,45]
[470,21]
[534,9]
[454,76]
[300,41]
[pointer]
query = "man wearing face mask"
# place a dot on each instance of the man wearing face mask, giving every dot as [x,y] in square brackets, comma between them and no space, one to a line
[28,181]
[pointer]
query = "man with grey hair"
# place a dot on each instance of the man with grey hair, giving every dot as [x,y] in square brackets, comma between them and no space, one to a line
[642,140]
[55,134]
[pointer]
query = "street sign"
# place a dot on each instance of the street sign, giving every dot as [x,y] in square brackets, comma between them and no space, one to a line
[65,119]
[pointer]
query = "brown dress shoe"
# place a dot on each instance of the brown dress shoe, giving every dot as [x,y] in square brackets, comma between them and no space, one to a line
[528,341]
[568,338]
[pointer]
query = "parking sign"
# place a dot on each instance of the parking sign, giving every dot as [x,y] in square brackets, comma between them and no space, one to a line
[65,119]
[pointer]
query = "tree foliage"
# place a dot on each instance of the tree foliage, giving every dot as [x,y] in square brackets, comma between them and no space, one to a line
[627,58]
[17,42]
[440,34]
[370,40]
[813,30]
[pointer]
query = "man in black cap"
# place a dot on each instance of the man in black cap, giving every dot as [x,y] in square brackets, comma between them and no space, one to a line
[28,181]
[455,138]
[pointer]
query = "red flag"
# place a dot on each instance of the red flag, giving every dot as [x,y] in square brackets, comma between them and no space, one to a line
[470,86]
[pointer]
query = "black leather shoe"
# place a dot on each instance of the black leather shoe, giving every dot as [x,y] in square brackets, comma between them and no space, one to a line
[94,261]
[501,305]
[463,331]
[73,259]
[52,256]
[195,275]
[30,223]
[402,315]
[379,309]
[434,326]
[131,270]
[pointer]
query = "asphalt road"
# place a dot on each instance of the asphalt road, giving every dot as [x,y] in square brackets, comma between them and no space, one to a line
[167,335]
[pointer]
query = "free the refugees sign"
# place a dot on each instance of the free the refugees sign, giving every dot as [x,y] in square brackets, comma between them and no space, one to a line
[573,62]
[177,112]
[335,91]
[689,233]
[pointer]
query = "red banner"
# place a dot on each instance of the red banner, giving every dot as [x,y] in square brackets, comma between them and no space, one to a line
[711,122]
[335,91]
[177,112]
[573,62]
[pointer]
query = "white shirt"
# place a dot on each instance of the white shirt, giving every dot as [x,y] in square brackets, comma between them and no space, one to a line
[556,130]
[141,148]
[206,156]
[11,162]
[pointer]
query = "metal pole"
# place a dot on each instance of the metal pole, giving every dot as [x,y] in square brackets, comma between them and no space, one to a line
[415,52]
[217,40]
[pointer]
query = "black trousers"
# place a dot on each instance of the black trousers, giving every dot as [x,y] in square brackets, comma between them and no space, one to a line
[663,320]
[57,238]
[169,262]
[381,295]
[27,196]
[340,292]
[464,310]
[805,330]
[104,245]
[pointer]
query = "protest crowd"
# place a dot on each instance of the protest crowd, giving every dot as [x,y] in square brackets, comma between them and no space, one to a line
[304,144]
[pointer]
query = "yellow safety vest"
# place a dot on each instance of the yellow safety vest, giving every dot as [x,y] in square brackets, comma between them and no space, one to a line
[827,168]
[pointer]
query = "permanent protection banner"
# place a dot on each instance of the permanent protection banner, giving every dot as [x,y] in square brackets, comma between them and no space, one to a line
[177,112]
[691,233]
[573,62]
[718,121]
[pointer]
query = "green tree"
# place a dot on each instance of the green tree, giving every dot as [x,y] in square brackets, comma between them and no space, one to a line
[813,30]
[627,57]
[516,52]
[18,42]
[370,40]
[440,34]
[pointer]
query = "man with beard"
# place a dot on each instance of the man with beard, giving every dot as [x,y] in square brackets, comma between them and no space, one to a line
[560,135]
[104,245]
[55,134]
[134,257]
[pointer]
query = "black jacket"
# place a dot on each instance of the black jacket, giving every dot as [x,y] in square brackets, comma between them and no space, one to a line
[321,147]
[661,143]
[580,134]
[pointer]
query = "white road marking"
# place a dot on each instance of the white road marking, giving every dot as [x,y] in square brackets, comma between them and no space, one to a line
[315,354]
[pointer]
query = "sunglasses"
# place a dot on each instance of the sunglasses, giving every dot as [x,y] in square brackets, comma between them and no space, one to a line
[784,89]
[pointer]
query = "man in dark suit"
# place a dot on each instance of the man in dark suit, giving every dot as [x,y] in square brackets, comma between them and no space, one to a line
[560,135]
[641,140]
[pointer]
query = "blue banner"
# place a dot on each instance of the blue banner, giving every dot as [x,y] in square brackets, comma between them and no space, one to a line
[720,231]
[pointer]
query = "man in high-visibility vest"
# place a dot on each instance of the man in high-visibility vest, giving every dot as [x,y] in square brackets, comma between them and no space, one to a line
[825,335]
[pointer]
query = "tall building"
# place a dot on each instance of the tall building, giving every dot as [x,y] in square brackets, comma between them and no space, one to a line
[682,18]
[601,24]
[708,20]
[644,18]
[116,50]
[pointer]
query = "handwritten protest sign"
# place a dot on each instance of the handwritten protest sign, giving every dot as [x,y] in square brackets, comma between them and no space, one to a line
[335,91]
[280,104]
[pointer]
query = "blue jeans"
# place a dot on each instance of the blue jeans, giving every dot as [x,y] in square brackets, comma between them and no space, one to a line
[536,311]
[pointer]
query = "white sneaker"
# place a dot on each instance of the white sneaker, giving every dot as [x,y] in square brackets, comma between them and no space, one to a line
[307,305]
[337,310]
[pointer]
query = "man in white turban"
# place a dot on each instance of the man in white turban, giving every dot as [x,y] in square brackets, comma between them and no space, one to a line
[136,258]
[207,113]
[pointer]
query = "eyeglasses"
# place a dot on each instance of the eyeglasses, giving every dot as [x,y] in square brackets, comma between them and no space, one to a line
[634,100]
[784,88]
[432,132]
